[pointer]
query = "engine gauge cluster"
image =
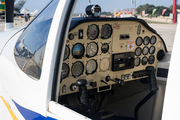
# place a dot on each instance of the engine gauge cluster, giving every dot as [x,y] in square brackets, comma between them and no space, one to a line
[146,48]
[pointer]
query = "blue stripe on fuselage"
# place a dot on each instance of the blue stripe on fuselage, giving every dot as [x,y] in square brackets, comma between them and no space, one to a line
[31,115]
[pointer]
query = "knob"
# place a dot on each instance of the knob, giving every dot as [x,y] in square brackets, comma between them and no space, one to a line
[117,80]
[81,82]
[73,87]
[120,82]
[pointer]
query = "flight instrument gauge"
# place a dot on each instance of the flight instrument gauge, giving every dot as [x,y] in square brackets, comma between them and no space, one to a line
[106,31]
[139,41]
[138,51]
[64,71]
[152,50]
[144,60]
[145,50]
[91,66]
[137,61]
[77,69]
[71,36]
[153,40]
[92,32]
[151,59]
[78,51]
[66,52]
[91,49]
[146,40]
[105,47]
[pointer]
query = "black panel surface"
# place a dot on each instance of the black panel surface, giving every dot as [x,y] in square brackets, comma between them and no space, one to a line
[161,72]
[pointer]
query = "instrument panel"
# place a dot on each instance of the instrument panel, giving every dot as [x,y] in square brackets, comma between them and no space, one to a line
[119,49]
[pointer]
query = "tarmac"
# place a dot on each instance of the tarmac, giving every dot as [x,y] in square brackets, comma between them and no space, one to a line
[166,31]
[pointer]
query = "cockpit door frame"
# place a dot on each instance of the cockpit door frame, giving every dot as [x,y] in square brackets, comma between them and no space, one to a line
[54,51]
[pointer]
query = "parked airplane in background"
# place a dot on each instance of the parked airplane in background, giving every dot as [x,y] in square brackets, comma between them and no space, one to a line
[86,68]
[32,14]
[17,7]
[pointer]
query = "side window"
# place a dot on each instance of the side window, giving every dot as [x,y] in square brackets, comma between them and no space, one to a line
[30,47]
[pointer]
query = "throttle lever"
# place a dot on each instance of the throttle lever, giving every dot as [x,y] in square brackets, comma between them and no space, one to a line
[151,78]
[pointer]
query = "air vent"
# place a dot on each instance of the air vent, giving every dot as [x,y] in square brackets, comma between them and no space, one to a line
[160,55]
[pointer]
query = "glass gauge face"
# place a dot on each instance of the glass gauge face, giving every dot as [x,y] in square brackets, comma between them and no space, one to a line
[78,50]
[64,71]
[71,36]
[152,50]
[144,60]
[138,51]
[105,47]
[151,59]
[146,40]
[106,31]
[91,49]
[91,67]
[153,40]
[145,50]
[77,69]
[139,41]
[137,61]
[66,52]
[92,32]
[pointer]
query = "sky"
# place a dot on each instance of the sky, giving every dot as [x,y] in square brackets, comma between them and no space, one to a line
[106,5]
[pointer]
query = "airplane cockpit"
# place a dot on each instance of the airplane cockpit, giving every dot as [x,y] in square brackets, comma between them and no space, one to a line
[110,67]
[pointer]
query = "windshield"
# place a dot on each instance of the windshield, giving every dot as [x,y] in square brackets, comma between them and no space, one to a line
[30,47]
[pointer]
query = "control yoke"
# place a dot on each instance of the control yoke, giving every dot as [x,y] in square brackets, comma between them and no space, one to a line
[83,93]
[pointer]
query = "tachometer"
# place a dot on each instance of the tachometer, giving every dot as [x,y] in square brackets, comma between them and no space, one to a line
[153,40]
[137,61]
[92,32]
[106,31]
[77,69]
[146,40]
[91,66]
[144,60]
[152,50]
[138,51]
[145,50]
[78,50]
[64,71]
[151,59]
[139,41]
[91,49]
[66,52]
